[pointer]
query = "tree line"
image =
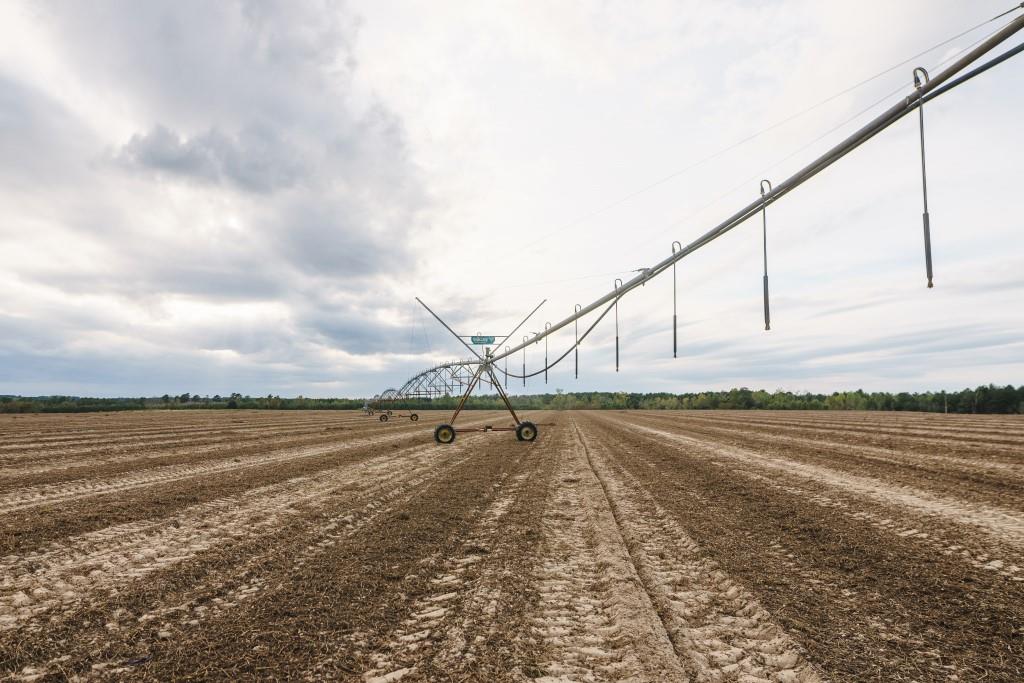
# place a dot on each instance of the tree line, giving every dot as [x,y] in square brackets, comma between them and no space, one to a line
[983,399]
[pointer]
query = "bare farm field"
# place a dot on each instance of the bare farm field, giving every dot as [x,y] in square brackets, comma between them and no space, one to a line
[639,546]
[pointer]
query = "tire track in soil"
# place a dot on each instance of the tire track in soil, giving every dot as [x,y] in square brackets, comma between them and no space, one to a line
[865,607]
[593,618]
[713,621]
[359,589]
[181,595]
[437,641]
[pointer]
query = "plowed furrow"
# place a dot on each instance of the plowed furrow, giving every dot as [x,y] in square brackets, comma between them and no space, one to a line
[996,459]
[470,623]
[908,612]
[459,590]
[28,529]
[224,577]
[997,482]
[356,591]
[920,522]
[71,571]
[49,494]
[1002,524]
[119,456]
[879,430]
[32,448]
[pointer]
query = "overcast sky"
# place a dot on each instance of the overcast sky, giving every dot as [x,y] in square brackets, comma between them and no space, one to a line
[246,196]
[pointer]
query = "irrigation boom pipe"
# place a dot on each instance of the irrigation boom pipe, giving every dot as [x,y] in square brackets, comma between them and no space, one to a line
[877,125]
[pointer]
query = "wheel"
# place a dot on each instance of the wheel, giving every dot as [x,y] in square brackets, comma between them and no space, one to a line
[370,413]
[444,434]
[526,431]
[383,417]
[390,413]
[414,417]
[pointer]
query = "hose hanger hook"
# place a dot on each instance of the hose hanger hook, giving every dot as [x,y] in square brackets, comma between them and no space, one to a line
[676,246]
[766,195]
[576,349]
[921,77]
[920,80]
[618,283]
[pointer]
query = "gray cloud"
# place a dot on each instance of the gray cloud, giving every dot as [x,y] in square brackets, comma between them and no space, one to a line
[258,160]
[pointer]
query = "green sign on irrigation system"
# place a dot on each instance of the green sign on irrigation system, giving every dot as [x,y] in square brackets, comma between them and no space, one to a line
[481,340]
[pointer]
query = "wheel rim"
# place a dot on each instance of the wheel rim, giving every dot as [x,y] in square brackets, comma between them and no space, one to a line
[446,435]
[529,433]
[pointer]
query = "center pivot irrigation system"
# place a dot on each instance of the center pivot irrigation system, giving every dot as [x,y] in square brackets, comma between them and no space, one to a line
[464,376]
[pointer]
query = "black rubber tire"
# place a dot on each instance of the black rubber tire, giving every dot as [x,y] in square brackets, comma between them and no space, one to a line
[444,434]
[383,417]
[414,417]
[526,431]
[390,413]
[370,413]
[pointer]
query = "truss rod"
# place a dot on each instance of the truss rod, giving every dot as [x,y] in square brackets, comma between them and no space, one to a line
[865,133]
[516,328]
[454,333]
